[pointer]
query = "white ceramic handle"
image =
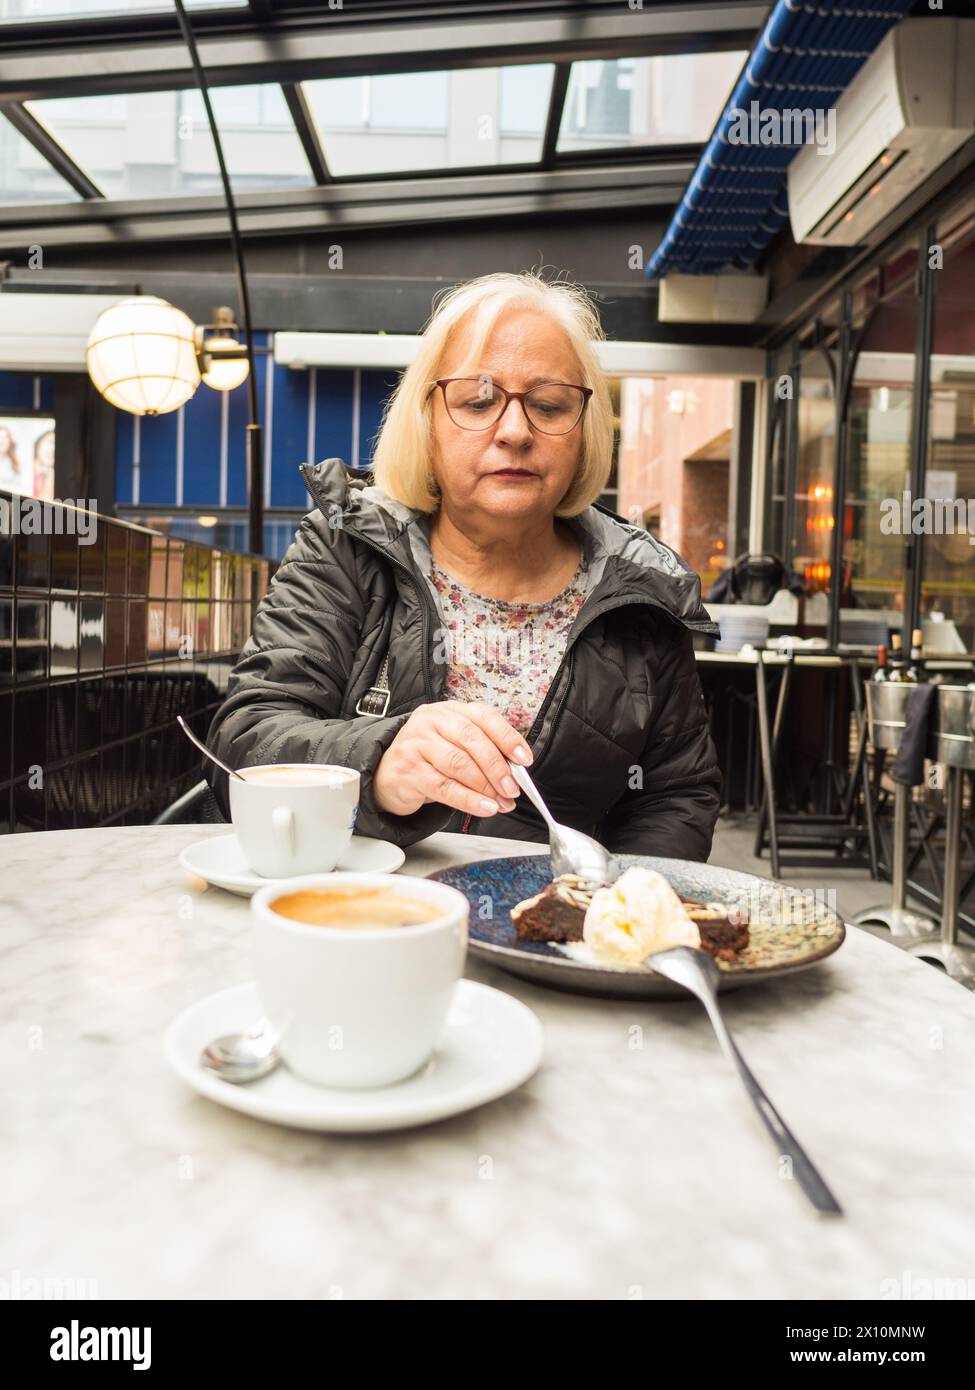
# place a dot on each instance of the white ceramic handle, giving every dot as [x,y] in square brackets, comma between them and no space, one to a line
[283,830]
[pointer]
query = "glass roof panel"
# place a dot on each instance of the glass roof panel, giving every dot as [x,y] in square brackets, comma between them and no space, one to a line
[25,175]
[158,144]
[674,99]
[24,11]
[431,120]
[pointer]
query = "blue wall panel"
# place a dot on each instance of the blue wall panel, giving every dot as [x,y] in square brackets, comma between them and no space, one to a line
[237,446]
[333,413]
[124,456]
[201,449]
[376,388]
[157,474]
[289,437]
[17,391]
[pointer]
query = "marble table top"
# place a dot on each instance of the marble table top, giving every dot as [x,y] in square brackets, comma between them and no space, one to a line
[630,1166]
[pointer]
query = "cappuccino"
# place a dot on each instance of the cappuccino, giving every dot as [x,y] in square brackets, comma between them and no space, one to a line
[294,818]
[360,908]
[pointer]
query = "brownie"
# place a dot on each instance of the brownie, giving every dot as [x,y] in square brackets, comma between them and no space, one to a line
[557,913]
[720,937]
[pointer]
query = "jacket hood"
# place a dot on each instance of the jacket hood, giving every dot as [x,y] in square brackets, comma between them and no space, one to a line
[626,562]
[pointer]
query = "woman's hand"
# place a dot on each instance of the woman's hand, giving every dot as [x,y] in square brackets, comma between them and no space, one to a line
[452,752]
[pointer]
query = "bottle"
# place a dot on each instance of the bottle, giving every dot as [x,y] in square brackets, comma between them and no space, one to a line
[896,673]
[880,674]
[915,672]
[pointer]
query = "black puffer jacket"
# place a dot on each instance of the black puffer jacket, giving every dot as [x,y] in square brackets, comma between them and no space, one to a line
[621,741]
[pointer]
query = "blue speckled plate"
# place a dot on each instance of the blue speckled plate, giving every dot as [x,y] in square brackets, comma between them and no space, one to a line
[789,930]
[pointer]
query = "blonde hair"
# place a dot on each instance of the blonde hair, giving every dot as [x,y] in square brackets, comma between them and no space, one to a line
[402,460]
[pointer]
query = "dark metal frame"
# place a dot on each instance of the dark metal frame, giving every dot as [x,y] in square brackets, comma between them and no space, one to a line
[783,418]
[294,48]
[920,425]
[48,148]
[353,203]
[268,44]
[255,462]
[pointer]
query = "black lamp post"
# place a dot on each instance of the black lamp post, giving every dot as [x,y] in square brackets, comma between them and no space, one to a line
[255,462]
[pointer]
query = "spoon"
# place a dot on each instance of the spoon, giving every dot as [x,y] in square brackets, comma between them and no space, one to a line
[205,750]
[240,1057]
[571,851]
[696,971]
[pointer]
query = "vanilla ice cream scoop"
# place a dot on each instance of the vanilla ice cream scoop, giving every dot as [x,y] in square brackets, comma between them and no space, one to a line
[638,914]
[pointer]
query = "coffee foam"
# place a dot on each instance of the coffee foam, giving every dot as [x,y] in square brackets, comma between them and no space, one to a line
[361,908]
[296,775]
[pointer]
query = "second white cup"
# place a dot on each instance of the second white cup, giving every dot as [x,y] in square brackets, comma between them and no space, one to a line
[294,818]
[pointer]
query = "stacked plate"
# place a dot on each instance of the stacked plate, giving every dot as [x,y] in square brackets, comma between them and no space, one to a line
[739,629]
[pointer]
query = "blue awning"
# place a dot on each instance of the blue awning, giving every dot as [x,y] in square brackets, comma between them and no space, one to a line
[736,201]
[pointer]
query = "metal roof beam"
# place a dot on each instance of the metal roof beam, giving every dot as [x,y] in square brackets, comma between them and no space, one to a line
[40,137]
[338,208]
[307,131]
[341,49]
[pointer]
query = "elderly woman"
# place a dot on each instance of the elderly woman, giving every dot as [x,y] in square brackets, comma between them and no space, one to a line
[473,605]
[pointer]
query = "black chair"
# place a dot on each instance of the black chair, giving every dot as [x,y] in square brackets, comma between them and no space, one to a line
[198,806]
[754,579]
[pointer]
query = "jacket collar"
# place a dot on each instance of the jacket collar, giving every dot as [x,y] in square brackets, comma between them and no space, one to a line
[627,563]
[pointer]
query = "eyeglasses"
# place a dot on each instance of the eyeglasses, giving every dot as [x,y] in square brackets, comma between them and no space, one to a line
[477,403]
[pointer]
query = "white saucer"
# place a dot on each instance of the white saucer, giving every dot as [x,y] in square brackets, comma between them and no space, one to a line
[492,1043]
[221,862]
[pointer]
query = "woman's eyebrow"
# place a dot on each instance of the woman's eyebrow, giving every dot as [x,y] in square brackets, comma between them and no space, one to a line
[546,380]
[532,381]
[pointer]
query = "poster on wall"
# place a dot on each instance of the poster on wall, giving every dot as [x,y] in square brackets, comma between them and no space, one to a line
[27,455]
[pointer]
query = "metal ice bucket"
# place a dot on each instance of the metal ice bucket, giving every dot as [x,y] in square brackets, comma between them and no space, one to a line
[886,707]
[953,732]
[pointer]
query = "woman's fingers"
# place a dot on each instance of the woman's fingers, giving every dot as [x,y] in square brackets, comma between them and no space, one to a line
[497,728]
[456,767]
[488,739]
[451,793]
[454,753]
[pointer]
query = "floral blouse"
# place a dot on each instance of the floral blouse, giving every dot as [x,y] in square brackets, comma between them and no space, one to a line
[506,654]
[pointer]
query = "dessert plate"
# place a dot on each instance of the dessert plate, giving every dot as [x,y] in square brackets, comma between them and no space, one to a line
[220,860]
[491,1044]
[788,932]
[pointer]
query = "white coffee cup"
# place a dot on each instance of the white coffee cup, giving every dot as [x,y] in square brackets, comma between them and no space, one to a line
[294,818]
[358,1006]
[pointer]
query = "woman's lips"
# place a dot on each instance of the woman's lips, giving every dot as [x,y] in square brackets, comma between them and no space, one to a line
[513,473]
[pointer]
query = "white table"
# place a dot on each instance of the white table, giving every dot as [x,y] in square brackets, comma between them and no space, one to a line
[618,1171]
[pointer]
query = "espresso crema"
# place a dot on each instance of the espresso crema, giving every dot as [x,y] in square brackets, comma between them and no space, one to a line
[359,908]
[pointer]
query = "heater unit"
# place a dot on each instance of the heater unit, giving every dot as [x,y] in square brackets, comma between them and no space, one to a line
[909,108]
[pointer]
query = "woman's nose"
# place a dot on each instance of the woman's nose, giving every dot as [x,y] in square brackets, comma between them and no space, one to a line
[513,423]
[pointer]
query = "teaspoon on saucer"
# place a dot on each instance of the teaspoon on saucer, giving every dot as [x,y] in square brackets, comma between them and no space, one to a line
[241,1057]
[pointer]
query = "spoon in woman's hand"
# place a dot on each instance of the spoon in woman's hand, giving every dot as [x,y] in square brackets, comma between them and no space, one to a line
[205,750]
[571,851]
